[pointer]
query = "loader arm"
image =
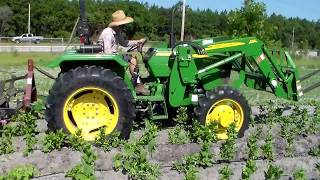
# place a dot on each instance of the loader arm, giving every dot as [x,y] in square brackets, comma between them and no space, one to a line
[259,67]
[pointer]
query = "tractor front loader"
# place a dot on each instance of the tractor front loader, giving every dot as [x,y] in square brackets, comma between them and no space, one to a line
[94,90]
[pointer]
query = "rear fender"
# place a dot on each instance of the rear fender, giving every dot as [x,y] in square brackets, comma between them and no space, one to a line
[115,63]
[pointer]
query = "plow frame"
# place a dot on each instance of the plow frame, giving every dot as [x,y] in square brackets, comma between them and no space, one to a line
[6,94]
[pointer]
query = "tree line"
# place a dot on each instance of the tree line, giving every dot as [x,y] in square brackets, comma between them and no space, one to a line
[57,18]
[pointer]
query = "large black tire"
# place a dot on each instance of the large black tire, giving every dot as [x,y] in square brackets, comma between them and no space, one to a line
[90,76]
[219,94]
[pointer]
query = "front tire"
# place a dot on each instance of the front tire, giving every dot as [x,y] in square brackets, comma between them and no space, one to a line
[90,98]
[224,106]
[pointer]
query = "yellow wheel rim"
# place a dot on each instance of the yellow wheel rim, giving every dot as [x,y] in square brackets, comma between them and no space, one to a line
[89,109]
[224,113]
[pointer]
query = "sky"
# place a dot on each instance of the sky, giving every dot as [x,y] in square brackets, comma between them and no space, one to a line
[309,9]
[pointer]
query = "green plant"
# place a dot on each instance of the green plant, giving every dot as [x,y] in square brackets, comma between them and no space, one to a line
[30,142]
[189,163]
[21,173]
[84,170]
[267,148]
[23,123]
[188,166]
[133,160]
[228,149]
[288,132]
[249,169]
[106,143]
[149,136]
[225,172]
[318,167]
[76,142]
[253,149]
[54,140]
[273,173]
[203,133]
[6,146]
[182,116]
[178,135]
[315,151]
[300,174]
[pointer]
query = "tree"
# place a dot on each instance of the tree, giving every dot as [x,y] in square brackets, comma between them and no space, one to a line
[249,20]
[5,16]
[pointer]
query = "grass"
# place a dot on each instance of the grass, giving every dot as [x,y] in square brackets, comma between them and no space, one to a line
[18,59]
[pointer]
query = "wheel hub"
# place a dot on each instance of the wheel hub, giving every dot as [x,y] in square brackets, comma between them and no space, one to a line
[225,112]
[224,115]
[90,109]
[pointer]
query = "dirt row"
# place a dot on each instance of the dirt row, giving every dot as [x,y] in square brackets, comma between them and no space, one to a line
[54,165]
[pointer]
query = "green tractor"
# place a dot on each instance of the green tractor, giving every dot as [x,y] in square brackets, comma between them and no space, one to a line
[94,90]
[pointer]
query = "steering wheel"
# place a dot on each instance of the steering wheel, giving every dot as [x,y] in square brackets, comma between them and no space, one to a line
[137,47]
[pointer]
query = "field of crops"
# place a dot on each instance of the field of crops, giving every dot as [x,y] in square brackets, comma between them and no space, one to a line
[283,142]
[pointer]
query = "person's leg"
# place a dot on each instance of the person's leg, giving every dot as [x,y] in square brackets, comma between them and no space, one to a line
[133,65]
[134,71]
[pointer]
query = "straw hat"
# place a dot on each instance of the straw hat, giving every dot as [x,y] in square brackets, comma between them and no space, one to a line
[119,18]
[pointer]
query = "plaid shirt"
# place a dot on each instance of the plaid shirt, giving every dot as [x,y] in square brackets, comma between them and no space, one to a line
[112,40]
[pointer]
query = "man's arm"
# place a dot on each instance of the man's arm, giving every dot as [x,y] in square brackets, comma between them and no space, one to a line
[127,43]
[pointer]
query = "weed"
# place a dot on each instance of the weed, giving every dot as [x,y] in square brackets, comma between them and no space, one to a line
[190,163]
[21,173]
[249,169]
[300,174]
[228,149]
[203,133]
[149,136]
[76,142]
[318,167]
[178,135]
[84,170]
[188,166]
[253,149]
[182,116]
[267,148]
[30,142]
[225,172]
[6,146]
[273,173]
[315,151]
[54,140]
[133,158]
[107,142]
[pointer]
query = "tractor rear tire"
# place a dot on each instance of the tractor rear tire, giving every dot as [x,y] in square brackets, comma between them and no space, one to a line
[225,106]
[90,98]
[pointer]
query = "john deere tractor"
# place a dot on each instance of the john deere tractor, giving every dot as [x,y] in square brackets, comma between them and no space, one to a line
[94,90]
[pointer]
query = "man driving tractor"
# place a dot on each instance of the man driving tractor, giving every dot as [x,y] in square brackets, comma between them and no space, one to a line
[112,38]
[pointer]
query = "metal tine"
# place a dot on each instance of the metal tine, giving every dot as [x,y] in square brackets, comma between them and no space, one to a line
[307,76]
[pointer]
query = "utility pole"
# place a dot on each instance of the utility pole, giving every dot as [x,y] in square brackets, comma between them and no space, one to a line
[292,42]
[29,20]
[183,19]
[247,3]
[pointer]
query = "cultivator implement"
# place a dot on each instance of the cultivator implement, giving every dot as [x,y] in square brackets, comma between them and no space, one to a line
[12,98]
